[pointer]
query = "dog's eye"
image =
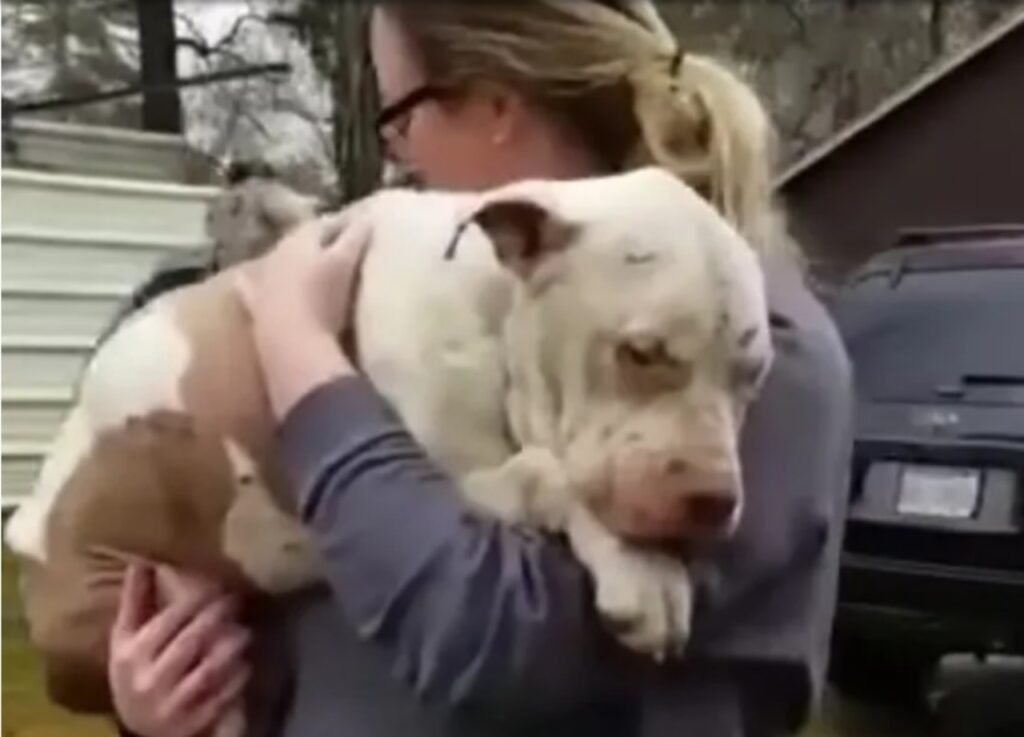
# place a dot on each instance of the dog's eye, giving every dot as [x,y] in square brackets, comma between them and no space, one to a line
[746,374]
[651,354]
[648,367]
[645,354]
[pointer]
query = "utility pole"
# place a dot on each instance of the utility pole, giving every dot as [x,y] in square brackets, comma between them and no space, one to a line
[161,105]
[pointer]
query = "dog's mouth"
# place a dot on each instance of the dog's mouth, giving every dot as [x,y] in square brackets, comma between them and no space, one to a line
[644,503]
[679,549]
[350,346]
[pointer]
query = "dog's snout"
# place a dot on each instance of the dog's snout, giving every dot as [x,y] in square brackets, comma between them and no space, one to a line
[676,467]
[665,496]
[709,511]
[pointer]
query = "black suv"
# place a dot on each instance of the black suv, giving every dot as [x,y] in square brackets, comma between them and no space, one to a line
[933,560]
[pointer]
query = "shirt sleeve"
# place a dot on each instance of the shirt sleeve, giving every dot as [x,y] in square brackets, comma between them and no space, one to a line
[471,612]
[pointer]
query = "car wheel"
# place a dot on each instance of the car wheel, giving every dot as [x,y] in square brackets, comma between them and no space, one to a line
[880,672]
[987,707]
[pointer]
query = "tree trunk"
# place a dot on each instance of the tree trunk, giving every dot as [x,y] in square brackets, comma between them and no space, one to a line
[937,28]
[337,35]
[355,146]
[161,105]
[61,32]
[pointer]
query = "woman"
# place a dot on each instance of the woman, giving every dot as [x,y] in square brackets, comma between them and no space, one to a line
[434,622]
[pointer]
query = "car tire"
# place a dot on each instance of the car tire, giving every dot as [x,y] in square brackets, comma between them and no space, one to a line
[881,672]
[991,706]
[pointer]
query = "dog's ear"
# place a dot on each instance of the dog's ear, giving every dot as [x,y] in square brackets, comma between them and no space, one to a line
[524,232]
[241,170]
[282,208]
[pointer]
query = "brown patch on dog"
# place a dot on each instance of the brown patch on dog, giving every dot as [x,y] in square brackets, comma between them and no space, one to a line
[165,479]
[159,487]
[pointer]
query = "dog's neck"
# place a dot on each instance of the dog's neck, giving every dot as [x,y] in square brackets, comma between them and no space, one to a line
[537,397]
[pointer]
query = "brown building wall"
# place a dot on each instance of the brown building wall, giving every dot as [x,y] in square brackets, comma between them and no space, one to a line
[953,155]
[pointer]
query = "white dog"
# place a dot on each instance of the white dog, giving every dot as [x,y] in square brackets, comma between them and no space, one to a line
[560,348]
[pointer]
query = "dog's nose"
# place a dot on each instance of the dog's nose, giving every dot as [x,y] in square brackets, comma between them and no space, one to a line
[709,511]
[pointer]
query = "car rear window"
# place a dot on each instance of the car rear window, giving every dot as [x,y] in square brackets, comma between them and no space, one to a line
[934,333]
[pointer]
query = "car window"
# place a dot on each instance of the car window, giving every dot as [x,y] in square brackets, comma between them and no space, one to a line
[934,333]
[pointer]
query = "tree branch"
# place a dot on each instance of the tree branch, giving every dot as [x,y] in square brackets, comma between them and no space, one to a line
[798,20]
[198,42]
[937,27]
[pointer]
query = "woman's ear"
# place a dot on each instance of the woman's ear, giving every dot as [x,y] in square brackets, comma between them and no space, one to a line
[501,111]
[508,115]
[524,232]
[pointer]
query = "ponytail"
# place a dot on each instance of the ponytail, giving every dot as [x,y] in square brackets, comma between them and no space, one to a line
[703,123]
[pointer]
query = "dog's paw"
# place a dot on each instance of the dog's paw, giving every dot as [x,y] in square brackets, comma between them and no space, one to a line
[529,489]
[645,599]
[548,499]
[636,614]
[679,593]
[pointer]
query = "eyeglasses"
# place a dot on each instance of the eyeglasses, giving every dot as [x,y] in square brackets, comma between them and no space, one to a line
[398,114]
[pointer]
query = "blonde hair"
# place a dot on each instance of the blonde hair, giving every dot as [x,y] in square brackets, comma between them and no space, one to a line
[617,75]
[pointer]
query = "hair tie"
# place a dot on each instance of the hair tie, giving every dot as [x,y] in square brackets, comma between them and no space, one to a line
[676,63]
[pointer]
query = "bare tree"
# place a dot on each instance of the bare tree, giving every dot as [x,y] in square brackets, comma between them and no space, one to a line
[161,106]
[336,33]
[937,16]
[61,49]
[820,64]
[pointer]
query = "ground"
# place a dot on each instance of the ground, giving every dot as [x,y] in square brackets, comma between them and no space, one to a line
[26,712]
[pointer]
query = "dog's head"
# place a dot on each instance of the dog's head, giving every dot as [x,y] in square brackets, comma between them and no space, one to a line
[639,337]
[252,213]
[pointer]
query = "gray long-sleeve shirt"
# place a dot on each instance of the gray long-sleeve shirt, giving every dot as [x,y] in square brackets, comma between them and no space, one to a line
[435,621]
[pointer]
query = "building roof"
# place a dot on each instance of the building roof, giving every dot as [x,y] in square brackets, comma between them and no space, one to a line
[1012,22]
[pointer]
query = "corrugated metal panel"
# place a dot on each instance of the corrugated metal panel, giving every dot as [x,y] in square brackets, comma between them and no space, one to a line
[73,248]
[28,365]
[19,473]
[48,309]
[33,416]
[97,151]
[62,258]
[138,211]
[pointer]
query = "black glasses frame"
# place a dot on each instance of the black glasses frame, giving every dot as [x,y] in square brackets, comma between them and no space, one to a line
[405,104]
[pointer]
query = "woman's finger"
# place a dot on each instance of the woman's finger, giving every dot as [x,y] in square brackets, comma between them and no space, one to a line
[174,583]
[155,635]
[245,281]
[174,661]
[335,223]
[306,238]
[206,713]
[333,226]
[220,665]
[351,239]
[135,599]
[345,256]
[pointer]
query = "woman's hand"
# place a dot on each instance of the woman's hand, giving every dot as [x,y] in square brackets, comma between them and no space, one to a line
[174,670]
[307,282]
[301,299]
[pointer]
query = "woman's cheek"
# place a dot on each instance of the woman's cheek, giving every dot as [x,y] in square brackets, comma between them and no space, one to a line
[450,154]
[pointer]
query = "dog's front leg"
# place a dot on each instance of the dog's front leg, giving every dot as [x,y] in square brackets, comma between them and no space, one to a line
[272,548]
[530,488]
[645,597]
